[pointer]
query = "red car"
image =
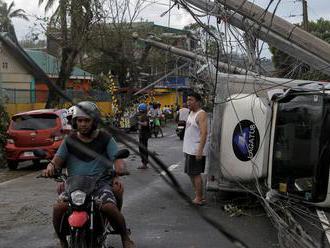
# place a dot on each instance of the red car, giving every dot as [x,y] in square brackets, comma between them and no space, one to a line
[38,129]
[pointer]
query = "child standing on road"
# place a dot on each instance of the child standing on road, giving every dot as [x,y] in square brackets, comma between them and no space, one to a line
[144,133]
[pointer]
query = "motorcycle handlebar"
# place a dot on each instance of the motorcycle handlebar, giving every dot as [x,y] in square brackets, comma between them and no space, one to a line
[58,176]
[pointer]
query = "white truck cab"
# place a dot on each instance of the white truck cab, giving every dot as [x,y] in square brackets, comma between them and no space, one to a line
[283,142]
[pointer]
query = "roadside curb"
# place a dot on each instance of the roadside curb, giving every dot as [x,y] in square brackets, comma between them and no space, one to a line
[19,178]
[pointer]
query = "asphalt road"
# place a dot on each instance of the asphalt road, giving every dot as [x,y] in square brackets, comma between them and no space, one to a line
[155,213]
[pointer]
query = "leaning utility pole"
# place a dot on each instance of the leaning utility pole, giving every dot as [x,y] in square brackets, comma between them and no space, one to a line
[284,35]
[280,26]
[193,56]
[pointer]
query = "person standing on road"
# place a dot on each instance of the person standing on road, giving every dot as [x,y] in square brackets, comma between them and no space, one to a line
[183,113]
[158,119]
[144,134]
[194,145]
[77,153]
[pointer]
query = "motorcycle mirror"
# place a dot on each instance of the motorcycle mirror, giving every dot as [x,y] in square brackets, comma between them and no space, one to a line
[39,153]
[123,153]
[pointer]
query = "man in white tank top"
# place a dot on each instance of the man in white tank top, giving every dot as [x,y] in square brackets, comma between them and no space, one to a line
[194,145]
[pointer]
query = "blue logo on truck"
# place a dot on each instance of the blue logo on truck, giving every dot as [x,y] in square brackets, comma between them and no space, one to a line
[246,140]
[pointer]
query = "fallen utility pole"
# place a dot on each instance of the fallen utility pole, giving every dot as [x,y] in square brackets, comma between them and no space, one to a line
[193,56]
[268,35]
[261,80]
[280,26]
[284,45]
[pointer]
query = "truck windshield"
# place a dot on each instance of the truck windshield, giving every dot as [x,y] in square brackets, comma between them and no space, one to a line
[298,144]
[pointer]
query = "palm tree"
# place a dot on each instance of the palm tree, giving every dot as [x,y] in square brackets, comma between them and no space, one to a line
[49,4]
[6,15]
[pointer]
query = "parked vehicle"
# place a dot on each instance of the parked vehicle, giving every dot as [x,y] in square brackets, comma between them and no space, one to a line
[180,129]
[282,142]
[128,123]
[85,225]
[38,129]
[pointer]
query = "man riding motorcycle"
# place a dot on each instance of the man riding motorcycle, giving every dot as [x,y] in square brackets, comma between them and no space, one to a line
[77,153]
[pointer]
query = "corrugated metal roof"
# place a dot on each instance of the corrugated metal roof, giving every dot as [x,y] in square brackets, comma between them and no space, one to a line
[51,65]
[22,57]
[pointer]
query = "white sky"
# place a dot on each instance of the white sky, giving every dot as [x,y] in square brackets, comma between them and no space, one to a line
[179,18]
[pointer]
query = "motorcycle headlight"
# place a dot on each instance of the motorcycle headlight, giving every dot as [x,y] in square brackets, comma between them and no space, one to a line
[78,197]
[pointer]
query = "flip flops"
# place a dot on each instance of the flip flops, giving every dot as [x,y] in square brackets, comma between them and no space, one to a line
[199,203]
[143,167]
[128,244]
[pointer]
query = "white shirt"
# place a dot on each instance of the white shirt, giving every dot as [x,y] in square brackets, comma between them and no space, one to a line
[192,135]
[183,114]
[158,113]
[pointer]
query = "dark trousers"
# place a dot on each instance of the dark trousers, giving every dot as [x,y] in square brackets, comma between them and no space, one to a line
[143,140]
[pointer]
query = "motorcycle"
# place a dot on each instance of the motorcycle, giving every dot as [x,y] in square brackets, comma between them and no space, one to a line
[155,129]
[180,129]
[83,224]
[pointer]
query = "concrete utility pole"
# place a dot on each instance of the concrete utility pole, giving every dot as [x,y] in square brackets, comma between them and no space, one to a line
[287,43]
[280,26]
[193,56]
[251,44]
[305,15]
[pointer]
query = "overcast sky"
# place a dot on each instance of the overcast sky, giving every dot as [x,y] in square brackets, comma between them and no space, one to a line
[291,10]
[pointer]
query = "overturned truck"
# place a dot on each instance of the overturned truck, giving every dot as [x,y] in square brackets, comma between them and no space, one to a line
[281,140]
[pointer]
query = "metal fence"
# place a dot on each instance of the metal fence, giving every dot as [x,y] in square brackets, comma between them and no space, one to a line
[34,96]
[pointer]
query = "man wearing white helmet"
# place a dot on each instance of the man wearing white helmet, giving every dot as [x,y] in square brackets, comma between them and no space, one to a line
[77,153]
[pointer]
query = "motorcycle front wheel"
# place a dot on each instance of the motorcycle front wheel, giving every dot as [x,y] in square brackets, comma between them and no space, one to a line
[78,241]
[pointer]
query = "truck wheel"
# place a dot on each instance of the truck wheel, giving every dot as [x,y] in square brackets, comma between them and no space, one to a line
[12,165]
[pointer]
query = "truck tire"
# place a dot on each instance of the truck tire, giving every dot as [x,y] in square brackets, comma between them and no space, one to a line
[12,165]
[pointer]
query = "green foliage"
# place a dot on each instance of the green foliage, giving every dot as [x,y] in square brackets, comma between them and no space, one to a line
[321,29]
[112,48]
[4,120]
[7,13]
[290,67]
[205,40]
